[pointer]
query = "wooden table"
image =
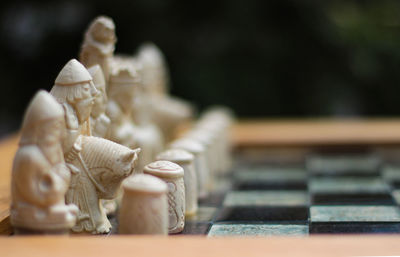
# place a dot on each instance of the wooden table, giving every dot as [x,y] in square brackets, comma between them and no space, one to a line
[255,133]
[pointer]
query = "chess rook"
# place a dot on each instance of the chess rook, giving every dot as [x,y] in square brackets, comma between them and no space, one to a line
[172,174]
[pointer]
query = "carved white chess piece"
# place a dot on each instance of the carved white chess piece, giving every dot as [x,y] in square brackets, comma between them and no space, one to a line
[97,165]
[123,80]
[200,162]
[99,45]
[40,177]
[185,160]
[167,111]
[144,208]
[99,121]
[172,174]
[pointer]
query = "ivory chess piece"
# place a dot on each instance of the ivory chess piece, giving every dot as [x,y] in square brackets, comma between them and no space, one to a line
[40,177]
[99,121]
[97,165]
[99,45]
[167,111]
[172,174]
[147,136]
[144,208]
[123,81]
[185,160]
[200,162]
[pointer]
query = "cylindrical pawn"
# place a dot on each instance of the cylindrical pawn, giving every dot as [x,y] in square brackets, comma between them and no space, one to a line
[200,162]
[172,174]
[144,208]
[185,160]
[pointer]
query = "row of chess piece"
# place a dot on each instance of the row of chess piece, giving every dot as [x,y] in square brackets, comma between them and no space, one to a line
[106,120]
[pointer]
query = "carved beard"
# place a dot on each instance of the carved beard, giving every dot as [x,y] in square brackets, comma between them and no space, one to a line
[83,109]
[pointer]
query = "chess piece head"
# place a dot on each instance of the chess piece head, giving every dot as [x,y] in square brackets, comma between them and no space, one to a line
[75,87]
[43,122]
[155,71]
[100,99]
[102,30]
[123,81]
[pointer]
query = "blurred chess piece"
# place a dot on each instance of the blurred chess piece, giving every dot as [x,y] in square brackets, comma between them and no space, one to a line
[167,111]
[99,121]
[144,208]
[123,81]
[99,45]
[40,177]
[147,136]
[200,162]
[185,160]
[172,174]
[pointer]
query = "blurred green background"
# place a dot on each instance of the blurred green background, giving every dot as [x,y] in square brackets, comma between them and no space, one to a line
[281,58]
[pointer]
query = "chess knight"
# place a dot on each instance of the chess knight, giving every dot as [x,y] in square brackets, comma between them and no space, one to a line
[99,45]
[97,165]
[40,177]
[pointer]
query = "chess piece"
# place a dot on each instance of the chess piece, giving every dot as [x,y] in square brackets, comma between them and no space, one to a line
[167,111]
[40,177]
[122,83]
[101,166]
[99,45]
[146,136]
[185,160]
[172,174]
[206,139]
[200,162]
[99,121]
[144,208]
[75,91]
[97,165]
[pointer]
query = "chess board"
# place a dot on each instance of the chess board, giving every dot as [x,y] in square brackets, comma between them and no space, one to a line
[298,195]
[324,194]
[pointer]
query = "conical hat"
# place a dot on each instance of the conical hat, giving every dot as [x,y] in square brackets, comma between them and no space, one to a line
[98,77]
[42,107]
[73,73]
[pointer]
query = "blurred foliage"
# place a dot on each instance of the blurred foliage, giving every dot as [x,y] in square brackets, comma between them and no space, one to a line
[274,58]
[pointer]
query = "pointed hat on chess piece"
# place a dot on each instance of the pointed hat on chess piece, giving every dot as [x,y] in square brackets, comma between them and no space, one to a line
[43,107]
[73,73]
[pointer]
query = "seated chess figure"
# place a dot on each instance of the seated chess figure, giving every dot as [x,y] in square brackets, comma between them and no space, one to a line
[99,121]
[99,45]
[167,111]
[123,80]
[40,177]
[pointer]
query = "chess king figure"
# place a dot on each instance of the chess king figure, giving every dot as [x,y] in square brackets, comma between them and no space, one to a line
[40,177]
[99,45]
[97,165]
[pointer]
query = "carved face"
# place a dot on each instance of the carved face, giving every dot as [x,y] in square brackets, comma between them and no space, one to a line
[124,96]
[84,105]
[103,33]
[99,106]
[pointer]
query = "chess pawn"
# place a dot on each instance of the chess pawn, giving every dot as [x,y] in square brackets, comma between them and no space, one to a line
[144,208]
[185,160]
[200,162]
[99,45]
[206,139]
[172,174]
[40,177]
[99,121]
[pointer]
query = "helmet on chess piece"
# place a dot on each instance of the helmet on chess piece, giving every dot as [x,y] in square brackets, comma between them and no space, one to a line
[41,109]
